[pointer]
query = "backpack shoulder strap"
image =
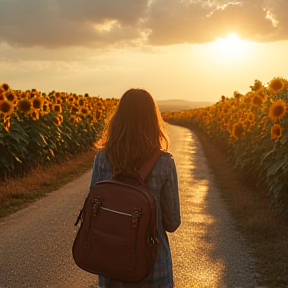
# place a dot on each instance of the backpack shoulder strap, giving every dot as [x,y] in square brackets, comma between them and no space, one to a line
[147,166]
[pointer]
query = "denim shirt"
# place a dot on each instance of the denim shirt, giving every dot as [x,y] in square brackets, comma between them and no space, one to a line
[162,182]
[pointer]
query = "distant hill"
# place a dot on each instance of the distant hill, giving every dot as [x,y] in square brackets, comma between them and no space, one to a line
[175,105]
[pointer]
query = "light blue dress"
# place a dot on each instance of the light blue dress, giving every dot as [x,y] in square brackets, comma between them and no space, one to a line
[162,182]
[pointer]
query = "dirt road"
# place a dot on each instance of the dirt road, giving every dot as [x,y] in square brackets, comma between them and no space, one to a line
[35,243]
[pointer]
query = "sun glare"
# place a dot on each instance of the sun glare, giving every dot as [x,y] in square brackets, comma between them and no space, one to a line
[230,47]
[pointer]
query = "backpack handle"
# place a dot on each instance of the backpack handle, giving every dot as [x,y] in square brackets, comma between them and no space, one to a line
[147,166]
[144,169]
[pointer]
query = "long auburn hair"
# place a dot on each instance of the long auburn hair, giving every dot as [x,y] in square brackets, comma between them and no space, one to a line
[134,132]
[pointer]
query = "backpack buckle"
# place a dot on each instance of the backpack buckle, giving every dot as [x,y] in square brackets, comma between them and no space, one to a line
[136,214]
[96,202]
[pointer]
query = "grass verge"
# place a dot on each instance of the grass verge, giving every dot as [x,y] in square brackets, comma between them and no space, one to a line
[18,193]
[259,222]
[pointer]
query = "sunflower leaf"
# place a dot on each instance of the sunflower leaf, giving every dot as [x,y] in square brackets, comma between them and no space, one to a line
[272,170]
[7,162]
[18,134]
[264,156]
[284,139]
[39,139]
[277,188]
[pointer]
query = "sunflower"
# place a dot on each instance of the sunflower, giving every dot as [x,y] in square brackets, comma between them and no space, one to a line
[276,85]
[11,97]
[6,107]
[257,86]
[5,86]
[251,117]
[58,100]
[35,115]
[74,109]
[81,101]
[24,105]
[73,119]
[238,130]
[277,110]
[76,97]
[84,111]
[45,107]
[70,99]
[276,131]
[262,94]
[257,100]
[57,108]
[63,96]
[226,110]
[34,93]
[37,102]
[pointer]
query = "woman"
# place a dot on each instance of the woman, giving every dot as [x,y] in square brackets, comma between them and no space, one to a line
[134,132]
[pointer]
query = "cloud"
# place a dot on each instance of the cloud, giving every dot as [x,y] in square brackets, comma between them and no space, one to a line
[55,23]
[102,24]
[278,13]
[127,12]
[248,20]
[173,22]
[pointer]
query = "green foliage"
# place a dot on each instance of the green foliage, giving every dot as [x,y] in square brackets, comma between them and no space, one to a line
[29,142]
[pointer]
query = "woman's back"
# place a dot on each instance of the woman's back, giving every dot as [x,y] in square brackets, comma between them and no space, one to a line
[134,132]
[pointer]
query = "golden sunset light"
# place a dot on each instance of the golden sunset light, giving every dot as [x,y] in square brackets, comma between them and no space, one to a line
[143,143]
[230,47]
[170,48]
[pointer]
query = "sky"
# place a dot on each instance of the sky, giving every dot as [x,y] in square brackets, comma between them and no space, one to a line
[176,49]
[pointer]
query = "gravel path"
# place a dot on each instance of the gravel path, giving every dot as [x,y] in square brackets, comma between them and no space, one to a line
[207,251]
[35,243]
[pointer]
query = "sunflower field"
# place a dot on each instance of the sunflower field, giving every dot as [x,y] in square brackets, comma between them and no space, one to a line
[36,128]
[252,129]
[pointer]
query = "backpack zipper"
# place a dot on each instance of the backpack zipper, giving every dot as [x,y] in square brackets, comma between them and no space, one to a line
[114,211]
[97,204]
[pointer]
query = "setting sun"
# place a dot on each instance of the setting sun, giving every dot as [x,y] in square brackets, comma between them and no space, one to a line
[230,47]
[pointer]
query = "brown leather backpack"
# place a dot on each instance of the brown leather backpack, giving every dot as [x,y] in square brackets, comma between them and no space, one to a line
[118,236]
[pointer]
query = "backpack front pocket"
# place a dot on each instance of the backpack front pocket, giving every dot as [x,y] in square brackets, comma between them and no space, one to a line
[112,233]
[120,252]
